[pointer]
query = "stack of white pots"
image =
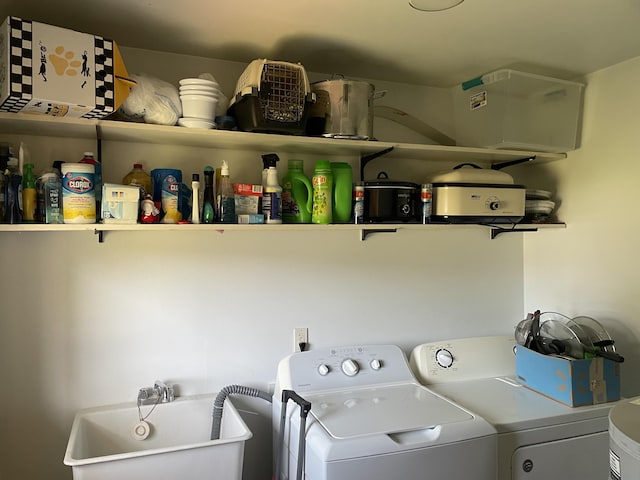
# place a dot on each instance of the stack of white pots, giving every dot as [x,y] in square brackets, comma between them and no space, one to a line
[199,98]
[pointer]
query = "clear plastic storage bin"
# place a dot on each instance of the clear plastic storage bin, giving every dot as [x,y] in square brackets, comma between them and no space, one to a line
[507,109]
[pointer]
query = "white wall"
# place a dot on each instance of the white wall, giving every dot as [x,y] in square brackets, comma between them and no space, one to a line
[593,268]
[86,324]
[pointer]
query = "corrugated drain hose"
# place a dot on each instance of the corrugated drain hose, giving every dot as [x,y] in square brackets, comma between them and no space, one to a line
[218,403]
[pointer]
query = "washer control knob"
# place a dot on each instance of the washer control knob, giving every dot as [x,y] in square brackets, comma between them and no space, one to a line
[444,358]
[495,205]
[323,369]
[375,364]
[350,367]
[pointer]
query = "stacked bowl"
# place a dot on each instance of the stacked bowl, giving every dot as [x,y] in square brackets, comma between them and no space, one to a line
[199,98]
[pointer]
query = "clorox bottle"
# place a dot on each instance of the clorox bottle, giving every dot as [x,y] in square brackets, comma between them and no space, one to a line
[297,194]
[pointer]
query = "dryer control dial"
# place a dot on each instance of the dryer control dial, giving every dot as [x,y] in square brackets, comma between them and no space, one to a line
[350,367]
[493,203]
[375,364]
[444,358]
[323,369]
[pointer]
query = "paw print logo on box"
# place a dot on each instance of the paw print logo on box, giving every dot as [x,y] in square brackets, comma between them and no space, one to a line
[65,63]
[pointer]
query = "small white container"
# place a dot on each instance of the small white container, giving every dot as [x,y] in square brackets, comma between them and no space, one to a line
[191,88]
[521,111]
[198,81]
[78,193]
[199,91]
[199,106]
[120,203]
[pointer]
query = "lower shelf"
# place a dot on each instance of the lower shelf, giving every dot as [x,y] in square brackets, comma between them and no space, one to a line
[363,230]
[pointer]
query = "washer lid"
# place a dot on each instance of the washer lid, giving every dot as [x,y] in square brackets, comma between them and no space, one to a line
[511,407]
[381,410]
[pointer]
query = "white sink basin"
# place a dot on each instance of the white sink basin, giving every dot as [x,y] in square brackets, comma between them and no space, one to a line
[103,446]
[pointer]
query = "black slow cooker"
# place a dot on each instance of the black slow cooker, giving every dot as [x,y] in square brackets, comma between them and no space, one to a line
[388,200]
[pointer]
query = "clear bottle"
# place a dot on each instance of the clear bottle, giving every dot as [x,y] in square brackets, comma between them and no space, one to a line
[322,182]
[272,198]
[208,202]
[225,198]
[138,177]
[29,194]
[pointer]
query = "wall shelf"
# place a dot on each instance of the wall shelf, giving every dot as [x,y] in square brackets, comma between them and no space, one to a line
[109,130]
[141,133]
[364,231]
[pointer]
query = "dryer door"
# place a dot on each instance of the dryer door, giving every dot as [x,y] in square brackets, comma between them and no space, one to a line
[585,457]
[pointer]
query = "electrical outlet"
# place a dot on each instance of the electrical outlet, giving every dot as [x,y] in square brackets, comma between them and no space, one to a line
[300,335]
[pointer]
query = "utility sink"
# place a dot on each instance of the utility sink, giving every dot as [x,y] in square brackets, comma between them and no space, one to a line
[108,442]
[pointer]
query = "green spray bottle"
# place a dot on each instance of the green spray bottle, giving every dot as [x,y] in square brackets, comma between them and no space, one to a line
[297,194]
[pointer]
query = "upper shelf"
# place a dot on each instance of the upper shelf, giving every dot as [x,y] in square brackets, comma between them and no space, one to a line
[109,130]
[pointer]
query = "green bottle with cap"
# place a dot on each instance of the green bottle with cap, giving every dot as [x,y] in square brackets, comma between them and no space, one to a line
[297,194]
[322,182]
[342,191]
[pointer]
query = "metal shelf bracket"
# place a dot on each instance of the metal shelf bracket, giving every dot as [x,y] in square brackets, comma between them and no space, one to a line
[100,234]
[365,232]
[495,231]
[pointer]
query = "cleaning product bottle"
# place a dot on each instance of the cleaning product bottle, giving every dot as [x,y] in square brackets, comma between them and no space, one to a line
[195,198]
[272,198]
[342,191]
[322,182]
[13,197]
[268,160]
[297,194]
[208,202]
[138,177]
[97,168]
[225,198]
[29,194]
[4,161]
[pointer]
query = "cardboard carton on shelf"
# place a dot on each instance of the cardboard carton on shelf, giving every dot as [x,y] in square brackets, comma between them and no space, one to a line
[55,71]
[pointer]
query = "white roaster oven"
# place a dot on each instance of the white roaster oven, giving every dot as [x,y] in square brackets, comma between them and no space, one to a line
[538,438]
[370,419]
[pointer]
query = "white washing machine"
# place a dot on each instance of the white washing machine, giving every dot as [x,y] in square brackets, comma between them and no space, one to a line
[538,438]
[370,419]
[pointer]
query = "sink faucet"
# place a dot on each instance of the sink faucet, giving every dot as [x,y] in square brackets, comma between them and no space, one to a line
[159,393]
[165,391]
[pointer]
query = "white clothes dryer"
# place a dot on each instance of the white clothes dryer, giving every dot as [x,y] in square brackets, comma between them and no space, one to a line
[370,419]
[538,437]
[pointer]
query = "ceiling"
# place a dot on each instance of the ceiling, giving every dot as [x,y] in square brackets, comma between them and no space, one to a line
[379,39]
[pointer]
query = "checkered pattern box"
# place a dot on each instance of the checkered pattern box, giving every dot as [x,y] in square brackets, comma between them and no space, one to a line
[59,72]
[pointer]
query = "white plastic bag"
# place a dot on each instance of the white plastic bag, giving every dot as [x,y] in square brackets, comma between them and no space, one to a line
[153,101]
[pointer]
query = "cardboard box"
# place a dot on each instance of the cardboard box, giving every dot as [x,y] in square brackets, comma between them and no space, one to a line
[255,218]
[247,198]
[120,203]
[570,381]
[59,72]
